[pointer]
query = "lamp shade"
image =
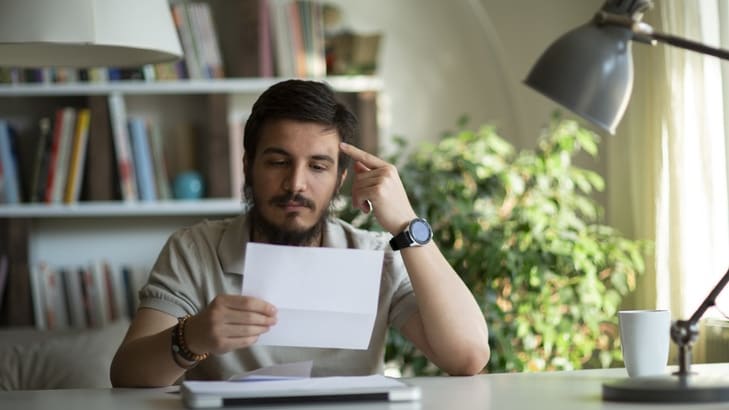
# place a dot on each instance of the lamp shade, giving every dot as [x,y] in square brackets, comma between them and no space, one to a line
[86,33]
[589,70]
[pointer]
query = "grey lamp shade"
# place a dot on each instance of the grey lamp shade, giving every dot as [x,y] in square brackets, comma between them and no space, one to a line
[86,33]
[589,70]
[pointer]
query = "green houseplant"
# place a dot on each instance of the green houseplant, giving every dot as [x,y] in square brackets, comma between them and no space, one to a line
[524,234]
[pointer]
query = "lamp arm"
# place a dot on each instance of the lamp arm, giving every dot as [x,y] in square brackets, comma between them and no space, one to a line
[710,299]
[645,33]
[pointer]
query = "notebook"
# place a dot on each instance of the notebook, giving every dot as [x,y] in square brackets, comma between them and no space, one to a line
[207,394]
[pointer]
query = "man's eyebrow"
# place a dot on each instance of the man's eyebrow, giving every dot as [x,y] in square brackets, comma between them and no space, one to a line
[275,150]
[281,151]
[323,157]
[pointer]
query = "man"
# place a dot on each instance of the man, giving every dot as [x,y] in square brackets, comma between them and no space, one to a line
[192,319]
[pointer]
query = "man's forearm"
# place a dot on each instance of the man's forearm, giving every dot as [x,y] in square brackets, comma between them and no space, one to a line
[453,324]
[146,362]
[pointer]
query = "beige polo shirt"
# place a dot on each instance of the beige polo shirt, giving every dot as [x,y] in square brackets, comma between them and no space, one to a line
[204,260]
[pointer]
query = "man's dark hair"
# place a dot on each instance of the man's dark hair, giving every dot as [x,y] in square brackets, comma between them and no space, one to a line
[299,100]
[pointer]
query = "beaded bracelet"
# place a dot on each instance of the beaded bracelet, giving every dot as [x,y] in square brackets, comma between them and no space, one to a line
[179,345]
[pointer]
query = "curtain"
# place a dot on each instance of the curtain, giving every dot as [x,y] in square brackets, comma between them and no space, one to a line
[667,167]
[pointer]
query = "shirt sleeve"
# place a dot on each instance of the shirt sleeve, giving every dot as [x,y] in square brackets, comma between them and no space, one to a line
[170,287]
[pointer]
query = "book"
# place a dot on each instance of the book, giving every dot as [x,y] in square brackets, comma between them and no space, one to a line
[159,161]
[203,29]
[284,55]
[40,162]
[111,306]
[100,179]
[181,17]
[54,309]
[74,298]
[8,159]
[142,159]
[124,159]
[130,290]
[63,156]
[95,294]
[87,289]
[38,294]
[78,157]
[58,157]
[118,289]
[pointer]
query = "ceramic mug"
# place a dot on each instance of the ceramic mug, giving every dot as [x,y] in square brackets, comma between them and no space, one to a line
[645,339]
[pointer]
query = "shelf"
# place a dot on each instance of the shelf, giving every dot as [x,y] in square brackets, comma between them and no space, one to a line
[122,209]
[213,86]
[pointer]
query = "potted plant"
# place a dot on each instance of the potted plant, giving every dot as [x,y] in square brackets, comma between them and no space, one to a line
[525,236]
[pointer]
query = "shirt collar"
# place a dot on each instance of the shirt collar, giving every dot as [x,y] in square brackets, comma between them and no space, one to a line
[231,249]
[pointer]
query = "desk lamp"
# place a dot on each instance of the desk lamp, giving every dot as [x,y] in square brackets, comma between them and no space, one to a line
[86,33]
[589,70]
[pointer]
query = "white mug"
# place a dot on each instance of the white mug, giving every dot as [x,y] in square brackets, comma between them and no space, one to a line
[645,339]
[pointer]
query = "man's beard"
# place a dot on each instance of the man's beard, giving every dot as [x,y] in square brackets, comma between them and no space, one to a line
[281,235]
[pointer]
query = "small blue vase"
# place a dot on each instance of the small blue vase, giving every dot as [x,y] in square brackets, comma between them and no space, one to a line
[188,185]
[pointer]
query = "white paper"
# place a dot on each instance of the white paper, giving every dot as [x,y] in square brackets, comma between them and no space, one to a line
[326,297]
[295,370]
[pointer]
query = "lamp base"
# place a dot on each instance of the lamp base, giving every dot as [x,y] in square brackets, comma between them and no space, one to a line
[663,389]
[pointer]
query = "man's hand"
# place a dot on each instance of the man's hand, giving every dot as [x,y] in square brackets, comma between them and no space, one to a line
[378,181]
[229,322]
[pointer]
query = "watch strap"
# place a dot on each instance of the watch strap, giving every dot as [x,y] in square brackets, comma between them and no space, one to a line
[401,240]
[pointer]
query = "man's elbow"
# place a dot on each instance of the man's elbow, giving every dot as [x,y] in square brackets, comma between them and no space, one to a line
[472,362]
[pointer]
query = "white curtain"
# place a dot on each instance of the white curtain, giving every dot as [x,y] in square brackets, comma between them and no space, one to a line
[667,167]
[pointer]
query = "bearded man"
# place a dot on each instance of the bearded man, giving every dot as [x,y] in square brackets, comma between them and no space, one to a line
[192,321]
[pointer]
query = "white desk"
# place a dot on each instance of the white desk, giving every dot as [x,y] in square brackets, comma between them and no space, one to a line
[579,390]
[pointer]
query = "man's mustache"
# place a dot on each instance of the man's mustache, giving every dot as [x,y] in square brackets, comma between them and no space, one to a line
[298,199]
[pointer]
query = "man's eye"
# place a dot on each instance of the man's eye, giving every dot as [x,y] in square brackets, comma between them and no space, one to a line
[319,167]
[277,163]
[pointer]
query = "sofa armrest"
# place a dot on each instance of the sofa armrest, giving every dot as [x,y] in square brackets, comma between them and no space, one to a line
[32,359]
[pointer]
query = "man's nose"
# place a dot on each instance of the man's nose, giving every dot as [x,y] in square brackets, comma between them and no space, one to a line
[296,180]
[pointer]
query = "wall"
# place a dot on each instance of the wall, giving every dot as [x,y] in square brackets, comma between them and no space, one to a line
[442,59]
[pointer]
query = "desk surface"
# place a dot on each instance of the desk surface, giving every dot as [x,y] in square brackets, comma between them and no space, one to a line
[554,390]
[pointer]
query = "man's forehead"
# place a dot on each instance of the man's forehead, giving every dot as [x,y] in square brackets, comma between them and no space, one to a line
[291,135]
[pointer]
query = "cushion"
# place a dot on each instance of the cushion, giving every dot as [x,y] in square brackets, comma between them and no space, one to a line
[32,359]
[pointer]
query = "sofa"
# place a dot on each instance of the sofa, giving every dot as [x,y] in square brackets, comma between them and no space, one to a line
[32,359]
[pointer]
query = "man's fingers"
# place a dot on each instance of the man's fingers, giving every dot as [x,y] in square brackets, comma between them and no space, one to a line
[248,303]
[360,167]
[367,159]
[242,318]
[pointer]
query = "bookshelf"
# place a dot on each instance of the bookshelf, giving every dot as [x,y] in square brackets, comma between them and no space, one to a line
[198,104]
[132,232]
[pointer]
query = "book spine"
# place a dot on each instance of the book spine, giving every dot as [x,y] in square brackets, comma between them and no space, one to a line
[64,152]
[127,176]
[36,288]
[159,160]
[182,22]
[142,159]
[9,165]
[78,157]
[74,298]
[40,162]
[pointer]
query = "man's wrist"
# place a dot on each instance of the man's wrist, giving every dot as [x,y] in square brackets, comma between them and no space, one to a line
[181,353]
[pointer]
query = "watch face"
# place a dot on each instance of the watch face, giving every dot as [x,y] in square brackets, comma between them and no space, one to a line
[420,231]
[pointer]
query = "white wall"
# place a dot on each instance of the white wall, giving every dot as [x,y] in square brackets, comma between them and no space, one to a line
[441,59]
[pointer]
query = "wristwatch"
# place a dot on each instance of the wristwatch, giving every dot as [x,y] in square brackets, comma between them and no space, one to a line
[417,233]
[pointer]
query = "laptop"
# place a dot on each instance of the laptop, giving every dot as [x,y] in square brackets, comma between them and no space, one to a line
[210,394]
